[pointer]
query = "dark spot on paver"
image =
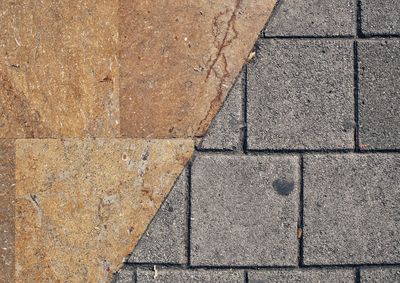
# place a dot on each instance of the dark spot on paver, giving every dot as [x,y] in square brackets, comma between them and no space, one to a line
[283,187]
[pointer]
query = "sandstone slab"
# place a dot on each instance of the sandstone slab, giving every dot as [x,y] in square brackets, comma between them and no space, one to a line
[81,205]
[7,215]
[58,72]
[179,59]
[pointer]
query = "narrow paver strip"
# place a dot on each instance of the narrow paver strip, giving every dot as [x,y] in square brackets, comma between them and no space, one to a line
[380,275]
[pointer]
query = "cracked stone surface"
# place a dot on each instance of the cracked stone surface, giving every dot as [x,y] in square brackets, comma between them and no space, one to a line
[81,205]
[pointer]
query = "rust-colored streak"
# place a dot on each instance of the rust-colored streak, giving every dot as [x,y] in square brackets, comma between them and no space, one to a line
[7,215]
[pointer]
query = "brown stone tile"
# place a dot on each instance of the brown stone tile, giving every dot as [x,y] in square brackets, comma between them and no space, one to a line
[178,60]
[81,205]
[7,204]
[58,69]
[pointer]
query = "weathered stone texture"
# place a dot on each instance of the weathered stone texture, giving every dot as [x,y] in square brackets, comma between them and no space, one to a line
[351,209]
[58,69]
[7,205]
[380,17]
[234,199]
[380,275]
[81,205]
[176,74]
[189,276]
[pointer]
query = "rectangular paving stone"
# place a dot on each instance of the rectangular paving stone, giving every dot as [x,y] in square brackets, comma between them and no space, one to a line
[225,131]
[302,275]
[300,95]
[189,276]
[165,240]
[124,275]
[380,17]
[380,275]
[313,18]
[379,94]
[244,210]
[7,210]
[351,209]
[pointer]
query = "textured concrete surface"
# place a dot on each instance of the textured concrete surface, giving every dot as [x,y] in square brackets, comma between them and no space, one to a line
[233,200]
[380,17]
[125,275]
[81,205]
[313,18]
[184,276]
[379,84]
[199,48]
[225,130]
[300,95]
[165,238]
[351,209]
[378,275]
[302,275]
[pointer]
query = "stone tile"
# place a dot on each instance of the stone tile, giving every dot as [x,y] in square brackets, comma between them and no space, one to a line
[351,213]
[7,214]
[380,274]
[379,97]
[300,95]
[75,200]
[124,275]
[188,54]
[58,73]
[380,17]
[165,238]
[225,131]
[302,275]
[189,276]
[244,210]
[313,18]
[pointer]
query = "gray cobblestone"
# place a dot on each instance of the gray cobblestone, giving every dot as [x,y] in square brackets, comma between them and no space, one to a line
[351,209]
[190,276]
[165,239]
[125,275]
[226,129]
[303,275]
[380,17]
[300,95]
[313,18]
[379,97]
[380,275]
[244,210]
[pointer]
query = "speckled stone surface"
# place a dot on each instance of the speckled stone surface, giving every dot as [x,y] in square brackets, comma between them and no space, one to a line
[7,215]
[81,205]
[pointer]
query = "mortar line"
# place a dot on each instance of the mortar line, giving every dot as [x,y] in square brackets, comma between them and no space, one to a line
[244,130]
[357,278]
[359,32]
[301,214]
[189,211]
[356,99]
[246,276]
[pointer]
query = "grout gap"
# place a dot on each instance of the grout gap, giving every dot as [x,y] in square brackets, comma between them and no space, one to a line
[357,278]
[244,106]
[189,212]
[301,214]
[356,99]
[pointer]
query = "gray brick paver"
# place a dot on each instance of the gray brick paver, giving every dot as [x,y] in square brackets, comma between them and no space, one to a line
[380,275]
[239,215]
[380,17]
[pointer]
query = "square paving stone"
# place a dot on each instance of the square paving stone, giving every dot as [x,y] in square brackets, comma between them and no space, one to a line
[380,17]
[300,95]
[379,98]
[378,275]
[313,18]
[351,209]
[302,275]
[189,276]
[244,210]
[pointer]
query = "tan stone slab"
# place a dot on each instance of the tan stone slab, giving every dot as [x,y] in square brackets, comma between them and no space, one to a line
[178,60]
[81,205]
[7,205]
[58,69]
